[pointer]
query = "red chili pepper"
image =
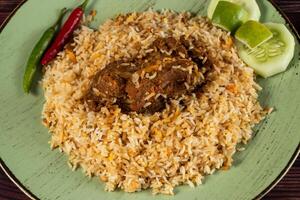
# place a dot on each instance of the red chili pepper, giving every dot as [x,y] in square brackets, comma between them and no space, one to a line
[65,33]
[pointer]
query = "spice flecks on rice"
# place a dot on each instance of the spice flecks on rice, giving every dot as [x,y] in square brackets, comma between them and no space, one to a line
[133,151]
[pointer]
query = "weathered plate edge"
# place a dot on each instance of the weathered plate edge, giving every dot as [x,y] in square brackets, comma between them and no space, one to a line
[12,177]
[28,193]
[3,166]
[297,151]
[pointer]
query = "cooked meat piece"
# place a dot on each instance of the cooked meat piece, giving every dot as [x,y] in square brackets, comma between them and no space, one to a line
[171,69]
[108,85]
[170,46]
[177,76]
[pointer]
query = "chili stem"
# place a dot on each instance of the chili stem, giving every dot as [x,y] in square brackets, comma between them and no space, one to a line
[62,14]
[83,6]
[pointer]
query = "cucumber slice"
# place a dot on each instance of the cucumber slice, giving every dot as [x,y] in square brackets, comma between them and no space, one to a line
[229,16]
[273,56]
[249,5]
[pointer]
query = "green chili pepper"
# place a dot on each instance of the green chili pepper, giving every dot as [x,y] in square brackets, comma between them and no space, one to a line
[38,51]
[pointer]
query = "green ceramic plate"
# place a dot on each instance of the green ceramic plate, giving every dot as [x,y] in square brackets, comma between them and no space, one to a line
[44,174]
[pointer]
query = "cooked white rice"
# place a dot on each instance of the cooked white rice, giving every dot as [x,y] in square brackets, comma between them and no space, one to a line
[160,151]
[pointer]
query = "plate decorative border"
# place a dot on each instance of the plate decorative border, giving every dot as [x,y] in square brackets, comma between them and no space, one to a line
[28,193]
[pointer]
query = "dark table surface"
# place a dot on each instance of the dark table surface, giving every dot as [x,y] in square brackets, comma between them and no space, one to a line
[287,189]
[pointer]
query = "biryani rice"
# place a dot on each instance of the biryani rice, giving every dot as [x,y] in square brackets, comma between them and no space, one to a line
[138,151]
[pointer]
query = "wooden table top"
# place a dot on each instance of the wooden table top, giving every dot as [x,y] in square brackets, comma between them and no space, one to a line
[287,189]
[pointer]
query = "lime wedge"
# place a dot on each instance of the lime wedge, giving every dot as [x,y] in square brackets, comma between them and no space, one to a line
[253,34]
[229,16]
[249,5]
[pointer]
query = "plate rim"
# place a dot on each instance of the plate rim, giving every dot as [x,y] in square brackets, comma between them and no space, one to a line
[283,172]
